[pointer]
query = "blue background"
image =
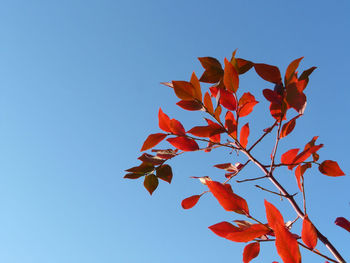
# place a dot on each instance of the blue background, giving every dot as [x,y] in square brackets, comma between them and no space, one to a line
[80,93]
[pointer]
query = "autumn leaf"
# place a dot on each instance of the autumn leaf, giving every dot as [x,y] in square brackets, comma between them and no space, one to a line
[272,96]
[197,87]
[208,103]
[142,168]
[292,67]
[289,156]
[231,79]
[227,199]
[330,168]
[151,183]
[288,127]
[191,105]
[183,143]
[231,124]
[184,90]
[246,104]
[164,172]
[176,127]
[268,72]
[343,222]
[213,70]
[299,174]
[251,251]
[190,202]
[164,121]
[222,229]
[152,140]
[228,100]
[309,233]
[249,233]
[243,137]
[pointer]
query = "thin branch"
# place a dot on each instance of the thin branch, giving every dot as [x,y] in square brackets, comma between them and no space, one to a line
[303,190]
[262,136]
[251,179]
[318,253]
[272,192]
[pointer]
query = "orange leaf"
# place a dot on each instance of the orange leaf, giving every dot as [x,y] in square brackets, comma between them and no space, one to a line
[227,199]
[243,137]
[208,103]
[243,65]
[309,234]
[184,90]
[299,173]
[190,202]
[289,156]
[176,127]
[213,70]
[268,73]
[222,229]
[152,140]
[183,143]
[251,251]
[228,100]
[288,127]
[231,80]
[231,124]
[343,222]
[191,105]
[301,157]
[249,233]
[278,111]
[286,244]
[197,87]
[206,131]
[330,168]
[164,121]
[272,96]
[291,70]
[246,104]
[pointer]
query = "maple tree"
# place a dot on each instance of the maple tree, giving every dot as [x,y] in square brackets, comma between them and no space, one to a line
[286,96]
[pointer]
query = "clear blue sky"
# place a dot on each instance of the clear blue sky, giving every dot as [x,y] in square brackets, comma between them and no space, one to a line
[80,92]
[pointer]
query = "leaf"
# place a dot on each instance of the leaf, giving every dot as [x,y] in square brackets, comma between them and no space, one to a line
[183,143]
[148,158]
[150,183]
[191,105]
[301,157]
[176,127]
[288,127]
[330,168]
[246,104]
[286,244]
[208,103]
[217,112]
[231,80]
[231,124]
[296,99]
[291,70]
[251,251]
[272,96]
[243,137]
[268,73]
[222,229]
[152,140]
[190,202]
[227,167]
[164,172]
[243,65]
[228,100]
[343,222]
[278,111]
[299,173]
[309,233]
[142,168]
[289,156]
[197,87]
[166,154]
[206,131]
[249,233]
[213,70]
[184,90]
[133,175]
[164,121]
[227,199]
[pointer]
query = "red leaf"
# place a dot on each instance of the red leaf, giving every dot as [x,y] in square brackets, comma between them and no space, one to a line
[190,202]
[251,251]
[133,176]
[286,243]
[343,222]
[142,168]
[197,87]
[330,168]
[231,80]
[288,127]
[164,172]
[301,157]
[299,173]
[164,121]
[272,96]
[213,70]
[184,90]
[309,233]
[289,156]
[278,111]
[176,127]
[148,158]
[151,183]
[206,131]
[296,99]
[192,105]
[291,70]
[243,137]
[246,104]
[208,103]
[231,124]
[268,73]
[183,143]
[152,140]
[222,229]
[228,100]
[227,167]
[243,65]
[227,199]
[249,233]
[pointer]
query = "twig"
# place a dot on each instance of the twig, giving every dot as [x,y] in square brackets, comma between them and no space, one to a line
[251,179]
[262,136]
[318,253]
[272,192]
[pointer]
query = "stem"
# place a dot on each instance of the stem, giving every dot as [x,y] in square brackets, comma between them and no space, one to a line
[316,252]
[272,192]
[250,179]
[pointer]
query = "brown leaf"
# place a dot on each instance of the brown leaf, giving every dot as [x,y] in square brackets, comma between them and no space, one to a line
[268,72]
[184,90]
[164,172]
[213,70]
[150,183]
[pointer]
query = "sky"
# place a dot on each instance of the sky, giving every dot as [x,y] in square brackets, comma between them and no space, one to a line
[80,91]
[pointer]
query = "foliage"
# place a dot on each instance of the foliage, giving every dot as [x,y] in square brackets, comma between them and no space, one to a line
[287,95]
